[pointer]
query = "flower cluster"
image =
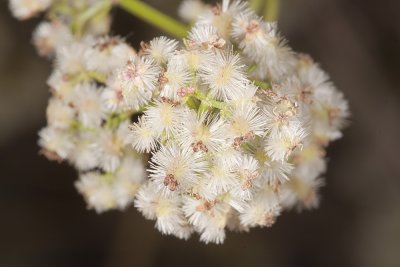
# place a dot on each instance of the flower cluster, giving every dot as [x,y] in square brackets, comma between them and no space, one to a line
[233,123]
[88,124]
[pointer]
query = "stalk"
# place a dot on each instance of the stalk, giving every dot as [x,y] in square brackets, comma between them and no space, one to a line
[154,17]
[256,5]
[271,10]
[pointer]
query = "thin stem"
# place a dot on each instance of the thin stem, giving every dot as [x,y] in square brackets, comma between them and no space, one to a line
[262,84]
[97,9]
[256,5]
[207,102]
[154,17]
[271,10]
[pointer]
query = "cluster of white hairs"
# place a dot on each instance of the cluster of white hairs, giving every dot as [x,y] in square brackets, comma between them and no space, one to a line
[232,122]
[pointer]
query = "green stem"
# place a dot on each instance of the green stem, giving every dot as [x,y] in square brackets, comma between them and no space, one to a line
[256,5]
[154,17]
[262,84]
[192,102]
[207,102]
[271,10]
[99,8]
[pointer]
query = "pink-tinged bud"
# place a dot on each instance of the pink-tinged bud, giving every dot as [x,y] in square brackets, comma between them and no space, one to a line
[184,91]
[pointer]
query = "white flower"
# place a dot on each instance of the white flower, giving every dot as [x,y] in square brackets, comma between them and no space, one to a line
[329,112]
[246,122]
[220,178]
[60,114]
[143,137]
[281,114]
[50,35]
[246,170]
[281,146]
[175,169]
[202,132]
[164,118]
[88,102]
[205,37]
[160,49]
[164,209]
[268,50]
[25,9]
[128,178]
[108,191]
[61,86]
[107,54]
[112,98]
[191,59]
[111,145]
[224,74]
[70,57]
[271,172]
[251,34]
[209,217]
[276,172]
[85,155]
[189,10]
[262,210]
[175,78]
[57,143]
[221,16]
[301,192]
[138,81]
[309,160]
[98,27]
[247,96]
[96,190]
[213,235]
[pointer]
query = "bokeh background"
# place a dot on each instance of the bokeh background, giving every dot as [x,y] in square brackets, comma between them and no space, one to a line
[44,222]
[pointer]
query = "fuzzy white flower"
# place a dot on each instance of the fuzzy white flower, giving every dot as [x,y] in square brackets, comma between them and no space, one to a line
[57,144]
[262,210]
[143,137]
[247,174]
[138,81]
[85,155]
[202,132]
[177,76]
[220,178]
[25,9]
[164,209]
[128,178]
[61,86]
[281,146]
[189,10]
[160,49]
[209,217]
[111,145]
[301,192]
[164,117]
[96,190]
[174,168]
[88,101]
[112,98]
[70,58]
[205,37]
[221,16]
[60,114]
[223,72]
[246,122]
[50,35]
[107,49]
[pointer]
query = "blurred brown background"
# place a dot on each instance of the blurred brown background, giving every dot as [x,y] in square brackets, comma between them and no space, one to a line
[44,222]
